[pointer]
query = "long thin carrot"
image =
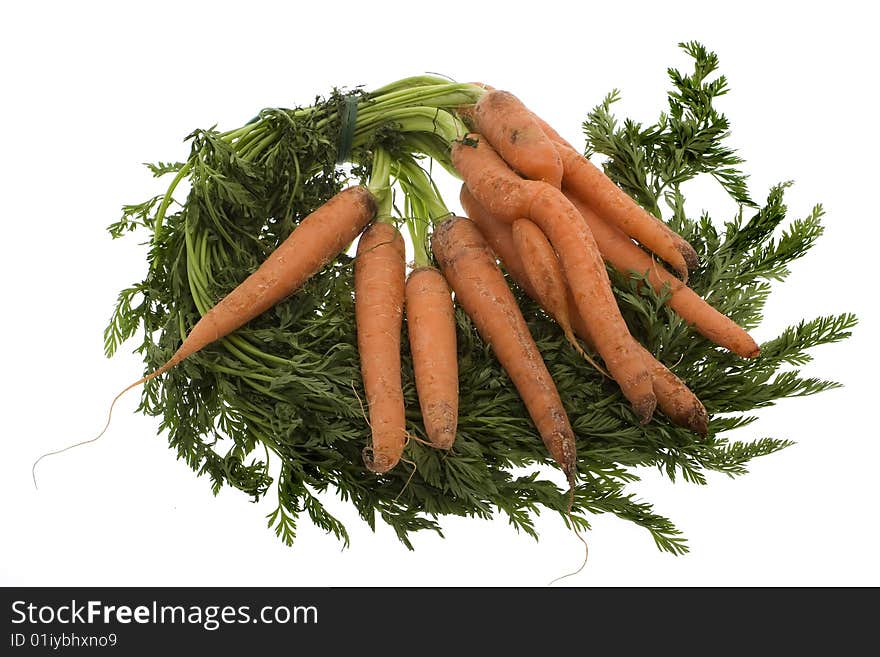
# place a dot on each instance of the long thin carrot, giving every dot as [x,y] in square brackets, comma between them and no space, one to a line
[625,256]
[674,398]
[546,278]
[512,130]
[379,279]
[318,238]
[615,206]
[430,322]
[469,266]
[494,185]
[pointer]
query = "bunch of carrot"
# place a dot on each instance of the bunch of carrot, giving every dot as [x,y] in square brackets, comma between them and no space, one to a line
[535,206]
[553,219]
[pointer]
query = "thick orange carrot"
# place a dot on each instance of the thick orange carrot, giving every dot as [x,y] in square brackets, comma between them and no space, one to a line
[430,322]
[625,256]
[615,206]
[511,129]
[494,185]
[674,398]
[469,266]
[379,279]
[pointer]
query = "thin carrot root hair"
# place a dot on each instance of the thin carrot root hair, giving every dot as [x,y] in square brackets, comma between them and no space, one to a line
[409,478]
[577,533]
[572,339]
[152,375]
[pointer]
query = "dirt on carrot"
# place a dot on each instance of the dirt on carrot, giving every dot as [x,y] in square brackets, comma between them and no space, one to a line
[511,129]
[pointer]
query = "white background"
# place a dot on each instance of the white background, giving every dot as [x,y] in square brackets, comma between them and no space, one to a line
[92,90]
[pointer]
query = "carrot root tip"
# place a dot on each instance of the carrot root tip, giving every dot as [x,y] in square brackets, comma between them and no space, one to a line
[644,408]
[443,439]
[380,463]
[689,254]
[699,420]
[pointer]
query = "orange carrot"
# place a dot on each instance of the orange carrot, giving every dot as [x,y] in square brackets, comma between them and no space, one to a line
[610,201]
[545,277]
[379,279]
[494,185]
[511,129]
[430,322]
[469,266]
[613,204]
[542,269]
[625,256]
[317,239]
[674,398]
